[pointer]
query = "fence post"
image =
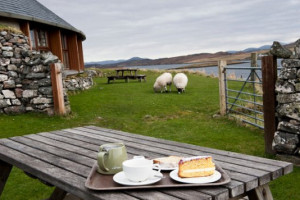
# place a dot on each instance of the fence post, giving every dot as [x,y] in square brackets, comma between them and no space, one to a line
[269,75]
[57,88]
[253,64]
[222,96]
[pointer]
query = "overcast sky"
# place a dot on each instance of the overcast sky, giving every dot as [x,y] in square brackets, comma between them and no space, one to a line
[121,29]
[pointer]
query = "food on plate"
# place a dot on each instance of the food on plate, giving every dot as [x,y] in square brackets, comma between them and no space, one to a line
[167,162]
[197,166]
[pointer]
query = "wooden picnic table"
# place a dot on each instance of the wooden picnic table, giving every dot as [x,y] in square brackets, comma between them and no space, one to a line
[120,74]
[64,159]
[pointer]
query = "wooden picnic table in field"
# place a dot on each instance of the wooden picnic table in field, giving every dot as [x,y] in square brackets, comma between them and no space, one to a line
[122,74]
[64,159]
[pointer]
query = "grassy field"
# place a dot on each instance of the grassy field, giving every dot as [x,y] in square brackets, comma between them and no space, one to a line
[134,107]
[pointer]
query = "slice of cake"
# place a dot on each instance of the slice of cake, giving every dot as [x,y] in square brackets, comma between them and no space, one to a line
[167,162]
[198,166]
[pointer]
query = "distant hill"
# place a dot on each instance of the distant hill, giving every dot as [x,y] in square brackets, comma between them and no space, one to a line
[196,60]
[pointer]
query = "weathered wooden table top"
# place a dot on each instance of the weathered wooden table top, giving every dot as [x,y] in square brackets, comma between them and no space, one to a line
[64,159]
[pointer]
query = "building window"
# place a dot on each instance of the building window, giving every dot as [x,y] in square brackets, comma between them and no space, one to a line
[39,40]
[32,39]
[42,38]
[65,51]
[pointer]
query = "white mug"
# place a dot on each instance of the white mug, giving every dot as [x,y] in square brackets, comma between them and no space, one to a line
[139,169]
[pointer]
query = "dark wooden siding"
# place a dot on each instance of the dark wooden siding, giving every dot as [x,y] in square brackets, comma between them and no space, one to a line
[80,54]
[73,51]
[55,43]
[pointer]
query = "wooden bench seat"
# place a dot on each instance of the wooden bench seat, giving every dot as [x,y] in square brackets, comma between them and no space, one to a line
[126,78]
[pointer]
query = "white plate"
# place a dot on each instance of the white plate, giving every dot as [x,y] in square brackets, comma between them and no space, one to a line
[165,168]
[121,179]
[208,179]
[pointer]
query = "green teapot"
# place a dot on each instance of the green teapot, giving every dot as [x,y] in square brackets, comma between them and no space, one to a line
[111,157]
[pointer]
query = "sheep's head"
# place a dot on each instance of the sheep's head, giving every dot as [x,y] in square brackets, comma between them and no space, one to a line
[156,87]
[180,90]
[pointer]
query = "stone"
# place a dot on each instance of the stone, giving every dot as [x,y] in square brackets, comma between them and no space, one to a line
[290,63]
[42,106]
[3,77]
[45,82]
[291,110]
[3,33]
[297,49]
[34,62]
[285,142]
[1,96]
[14,109]
[45,90]
[16,102]
[91,72]
[6,48]
[4,61]
[39,68]
[49,58]
[3,103]
[7,54]
[288,73]
[284,87]
[13,74]
[41,100]
[12,67]
[33,85]
[288,98]
[298,73]
[9,84]
[297,87]
[8,94]
[16,61]
[288,127]
[19,92]
[35,75]
[280,51]
[30,93]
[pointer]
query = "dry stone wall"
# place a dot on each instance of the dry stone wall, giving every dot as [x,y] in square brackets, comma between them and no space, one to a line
[286,139]
[25,77]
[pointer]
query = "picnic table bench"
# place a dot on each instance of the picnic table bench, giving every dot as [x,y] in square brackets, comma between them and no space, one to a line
[64,159]
[121,75]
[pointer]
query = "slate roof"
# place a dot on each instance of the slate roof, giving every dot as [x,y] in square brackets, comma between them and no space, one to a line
[32,10]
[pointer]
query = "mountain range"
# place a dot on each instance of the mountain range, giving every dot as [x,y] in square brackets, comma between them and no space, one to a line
[196,60]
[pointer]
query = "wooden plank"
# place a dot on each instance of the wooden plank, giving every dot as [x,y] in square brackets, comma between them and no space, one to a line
[5,169]
[253,64]
[251,182]
[58,194]
[186,194]
[224,161]
[61,178]
[222,96]
[73,51]
[269,74]
[57,89]
[73,167]
[55,43]
[80,53]
[149,195]
[55,151]
[288,167]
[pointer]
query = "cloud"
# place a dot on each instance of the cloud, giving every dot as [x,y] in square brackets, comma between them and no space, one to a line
[118,29]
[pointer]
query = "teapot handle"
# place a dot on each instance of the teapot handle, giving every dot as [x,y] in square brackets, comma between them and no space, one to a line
[101,161]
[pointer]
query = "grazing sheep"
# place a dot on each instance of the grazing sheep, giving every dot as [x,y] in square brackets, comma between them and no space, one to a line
[162,82]
[180,81]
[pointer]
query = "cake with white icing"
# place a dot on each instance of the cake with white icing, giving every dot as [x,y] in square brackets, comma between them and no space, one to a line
[167,162]
[197,166]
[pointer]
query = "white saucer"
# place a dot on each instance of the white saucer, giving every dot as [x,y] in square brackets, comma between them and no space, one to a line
[208,179]
[121,179]
[165,168]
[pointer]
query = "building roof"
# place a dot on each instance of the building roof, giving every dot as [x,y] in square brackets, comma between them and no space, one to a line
[32,10]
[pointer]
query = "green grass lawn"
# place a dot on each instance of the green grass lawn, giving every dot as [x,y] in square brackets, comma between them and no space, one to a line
[134,107]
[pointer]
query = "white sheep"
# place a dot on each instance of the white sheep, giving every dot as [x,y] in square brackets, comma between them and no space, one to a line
[180,81]
[162,82]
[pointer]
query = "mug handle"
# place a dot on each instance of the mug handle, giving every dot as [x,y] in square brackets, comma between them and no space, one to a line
[101,161]
[157,166]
